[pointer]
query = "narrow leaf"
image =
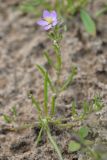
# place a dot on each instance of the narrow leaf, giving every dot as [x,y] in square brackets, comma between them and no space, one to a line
[74,112]
[101,11]
[88,22]
[69,79]
[7,119]
[58,56]
[35,103]
[43,71]
[39,136]
[46,93]
[86,107]
[53,105]
[14,111]
[48,58]
[54,145]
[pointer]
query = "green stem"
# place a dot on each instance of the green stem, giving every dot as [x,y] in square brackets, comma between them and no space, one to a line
[39,136]
[59,62]
[46,94]
[54,144]
[53,105]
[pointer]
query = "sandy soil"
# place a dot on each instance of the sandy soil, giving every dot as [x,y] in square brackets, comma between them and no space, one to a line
[21,47]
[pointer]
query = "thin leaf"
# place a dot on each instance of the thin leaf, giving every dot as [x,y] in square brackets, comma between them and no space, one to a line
[101,11]
[58,56]
[7,119]
[46,93]
[48,58]
[74,112]
[39,136]
[35,103]
[43,71]
[86,107]
[88,22]
[69,79]
[14,111]
[54,145]
[53,105]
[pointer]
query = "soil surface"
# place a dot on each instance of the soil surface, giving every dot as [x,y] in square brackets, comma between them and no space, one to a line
[21,47]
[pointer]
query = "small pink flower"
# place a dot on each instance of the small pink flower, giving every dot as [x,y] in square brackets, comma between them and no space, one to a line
[48,20]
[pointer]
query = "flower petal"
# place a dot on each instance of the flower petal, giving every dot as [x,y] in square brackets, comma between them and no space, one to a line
[53,15]
[48,27]
[42,23]
[54,23]
[46,14]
